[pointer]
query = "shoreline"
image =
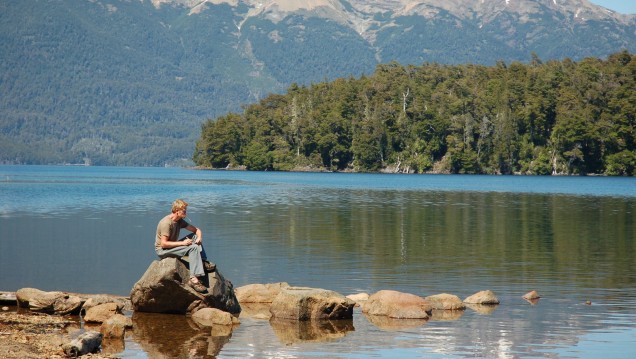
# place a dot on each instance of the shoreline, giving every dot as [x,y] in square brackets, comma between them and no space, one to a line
[27,334]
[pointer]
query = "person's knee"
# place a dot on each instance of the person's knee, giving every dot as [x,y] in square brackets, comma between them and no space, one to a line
[194,248]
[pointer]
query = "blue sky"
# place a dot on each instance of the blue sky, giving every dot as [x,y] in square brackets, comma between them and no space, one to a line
[622,6]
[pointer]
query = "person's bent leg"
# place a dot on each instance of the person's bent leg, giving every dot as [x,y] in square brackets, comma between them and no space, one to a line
[176,252]
[193,252]
[207,265]
[196,263]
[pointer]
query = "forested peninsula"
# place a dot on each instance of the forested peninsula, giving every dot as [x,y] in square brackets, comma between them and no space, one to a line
[540,118]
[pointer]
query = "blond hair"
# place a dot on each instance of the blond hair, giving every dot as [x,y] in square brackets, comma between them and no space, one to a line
[178,205]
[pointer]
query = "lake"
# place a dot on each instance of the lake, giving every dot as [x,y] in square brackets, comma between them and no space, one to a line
[572,239]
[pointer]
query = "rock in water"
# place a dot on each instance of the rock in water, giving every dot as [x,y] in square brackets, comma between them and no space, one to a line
[298,303]
[164,289]
[394,304]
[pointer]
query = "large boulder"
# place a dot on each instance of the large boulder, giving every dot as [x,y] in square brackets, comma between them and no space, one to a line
[164,288]
[299,303]
[259,293]
[399,305]
[59,303]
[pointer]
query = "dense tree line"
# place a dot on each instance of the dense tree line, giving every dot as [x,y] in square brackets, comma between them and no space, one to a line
[557,117]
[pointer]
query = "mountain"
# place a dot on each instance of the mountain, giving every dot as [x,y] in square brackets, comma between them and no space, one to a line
[129,82]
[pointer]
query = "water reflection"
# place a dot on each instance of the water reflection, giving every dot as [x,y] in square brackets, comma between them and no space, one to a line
[482,309]
[446,314]
[300,331]
[391,324]
[175,336]
[347,233]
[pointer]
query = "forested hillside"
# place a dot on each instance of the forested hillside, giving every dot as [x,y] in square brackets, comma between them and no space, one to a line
[557,117]
[119,82]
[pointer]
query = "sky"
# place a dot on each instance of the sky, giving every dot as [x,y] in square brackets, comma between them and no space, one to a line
[622,6]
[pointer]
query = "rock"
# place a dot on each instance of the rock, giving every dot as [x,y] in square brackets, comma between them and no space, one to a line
[102,312]
[164,289]
[256,310]
[359,298]
[394,304]
[58,303]
[87,342]
[259,293]
[445,301]
[484,297]
[8,298]
[299,303]
[533,295]
[211,316]
[93,300]
[115,326]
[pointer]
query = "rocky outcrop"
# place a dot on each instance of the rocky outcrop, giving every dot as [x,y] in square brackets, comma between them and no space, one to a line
[60,303]
[164,288]
[300,303]
[259,293]
[394,304]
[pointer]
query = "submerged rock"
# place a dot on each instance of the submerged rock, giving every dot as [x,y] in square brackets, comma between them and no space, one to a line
[532,295]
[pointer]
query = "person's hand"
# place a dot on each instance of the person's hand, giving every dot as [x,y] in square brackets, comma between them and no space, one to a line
[198,240]
[187,242]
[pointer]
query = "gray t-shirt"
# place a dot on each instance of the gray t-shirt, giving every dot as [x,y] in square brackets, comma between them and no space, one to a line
[167,227]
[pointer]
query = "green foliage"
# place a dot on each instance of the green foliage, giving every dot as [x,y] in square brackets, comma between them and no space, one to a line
[538,118]
[114,82]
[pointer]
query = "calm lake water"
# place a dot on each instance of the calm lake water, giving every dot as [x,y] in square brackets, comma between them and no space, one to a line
[573,239]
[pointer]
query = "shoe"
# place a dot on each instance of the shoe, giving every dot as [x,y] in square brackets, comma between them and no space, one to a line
[198,286]
[209,266]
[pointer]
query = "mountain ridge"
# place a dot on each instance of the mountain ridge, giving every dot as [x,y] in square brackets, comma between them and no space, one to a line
[106,81]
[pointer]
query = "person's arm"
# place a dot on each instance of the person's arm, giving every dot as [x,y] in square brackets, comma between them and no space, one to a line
[197,231]
[166,244]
